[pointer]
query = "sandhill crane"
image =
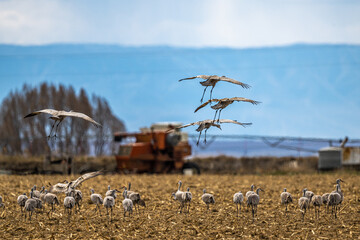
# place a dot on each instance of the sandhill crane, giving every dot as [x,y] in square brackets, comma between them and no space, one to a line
[188,198]
[133,196]
[109,202]
[30,205]
[96,199]
[127,204]
[286,198]
[338,190]
[309,194]
[334,200]
[65,187]
[59,116]
[304,203]
[180,196]
[238,198]
[206,124]
[253,200]
[248,193]
[51,199]
[223,103]
[207,199]
[69,203]
[36,193]
[324,198]
[21,201]
[42,194]
[316,201]
[211,80]
[109,192]
[78,199]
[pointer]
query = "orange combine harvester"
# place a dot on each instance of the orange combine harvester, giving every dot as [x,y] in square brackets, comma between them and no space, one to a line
[154,150]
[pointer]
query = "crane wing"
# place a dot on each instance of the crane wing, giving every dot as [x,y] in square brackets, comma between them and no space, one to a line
[233,121]
[187,78]
[188,125]
[244,100]
[84,177]
[206,103]
[80,115]
[59,188]
[198,76]
[226,79]
[48,111]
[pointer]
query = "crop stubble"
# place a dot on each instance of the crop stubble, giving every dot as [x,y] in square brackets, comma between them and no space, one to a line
[160,219]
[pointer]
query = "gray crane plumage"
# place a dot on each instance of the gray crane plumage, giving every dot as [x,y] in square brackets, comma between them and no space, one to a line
[316,201]
[51,199]
[206,124]
[59,116]
[253,200]
[180,196]
[127,205]
[96,199]
[208,199]
[21,199]
[334,200]
[304,203]
[109,202]
[223,103]
[211,80]
[69,203]
[238,198]
[65,187]
[285,198]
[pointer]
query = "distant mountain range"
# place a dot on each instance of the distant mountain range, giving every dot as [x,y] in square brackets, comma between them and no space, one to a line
[305,90]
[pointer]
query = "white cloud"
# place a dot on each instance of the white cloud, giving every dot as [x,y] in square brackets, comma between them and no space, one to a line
[180,23]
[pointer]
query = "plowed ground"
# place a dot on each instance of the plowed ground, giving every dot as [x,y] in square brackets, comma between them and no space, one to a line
[160,219]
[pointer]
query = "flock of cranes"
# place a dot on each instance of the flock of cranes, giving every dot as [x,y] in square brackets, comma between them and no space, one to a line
[307,200]
[212,80]
[71,203]
[73,198]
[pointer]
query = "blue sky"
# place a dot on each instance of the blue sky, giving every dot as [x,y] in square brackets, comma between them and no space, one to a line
[231,23]
[292,105]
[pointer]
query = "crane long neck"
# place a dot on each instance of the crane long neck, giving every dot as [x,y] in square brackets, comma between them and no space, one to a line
[179,185]
[257,191]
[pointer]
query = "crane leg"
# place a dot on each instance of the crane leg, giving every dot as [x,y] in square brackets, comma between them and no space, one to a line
[219,115]
[211,91]
[215,114]
[57,128]
[203,94]
[205,135]
[52,128]
[197,143]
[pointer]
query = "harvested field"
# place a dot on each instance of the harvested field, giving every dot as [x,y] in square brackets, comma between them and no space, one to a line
[160,219]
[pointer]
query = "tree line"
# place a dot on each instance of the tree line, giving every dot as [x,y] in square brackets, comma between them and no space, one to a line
[76,136]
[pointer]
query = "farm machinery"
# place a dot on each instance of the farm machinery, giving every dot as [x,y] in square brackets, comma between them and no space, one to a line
[154,150]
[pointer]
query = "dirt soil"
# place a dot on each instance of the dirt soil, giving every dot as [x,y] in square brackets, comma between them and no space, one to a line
[161,220]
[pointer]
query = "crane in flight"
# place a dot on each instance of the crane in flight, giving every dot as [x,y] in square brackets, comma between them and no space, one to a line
[206,124]
[223,103]
[69,186]
[211,80]
[59,116]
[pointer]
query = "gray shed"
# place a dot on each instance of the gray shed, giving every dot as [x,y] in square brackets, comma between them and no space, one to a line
[330,158]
